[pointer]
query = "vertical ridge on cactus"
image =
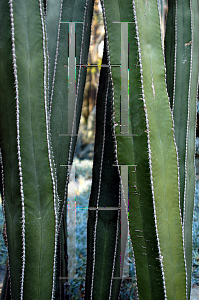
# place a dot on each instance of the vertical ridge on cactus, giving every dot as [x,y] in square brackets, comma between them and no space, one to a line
[162,152]
[126,143]
[181,86]
[102,249]
[30,60]
[125,153]
[64,129]
[141,210]
[154,91]
[39,120]
[190,143]
[50,154]
[184,95]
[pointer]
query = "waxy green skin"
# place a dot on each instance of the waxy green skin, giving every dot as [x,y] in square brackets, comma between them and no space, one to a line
[34,196]
[36,187]
[8,132]
[35,109]
[184,66]
[103,242]
[158,132]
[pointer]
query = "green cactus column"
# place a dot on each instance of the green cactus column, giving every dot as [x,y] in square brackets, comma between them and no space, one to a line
[181,53]
[66,21]
[8,143]
[37,181]
[162,150]
[30,194]
[34,182]
[103,226]
[190,143]
[158,214]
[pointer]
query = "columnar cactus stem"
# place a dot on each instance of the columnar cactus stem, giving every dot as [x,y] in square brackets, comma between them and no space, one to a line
[103,246]
[162,150]
[38,189]
[137,129]
[8,139]
[39,192]
[182,92]
[189,191]
[162,156]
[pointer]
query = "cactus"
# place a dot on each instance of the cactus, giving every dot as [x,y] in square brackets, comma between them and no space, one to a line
[33,183]
[103,225]
[150,136]
[183,95]
[149,149]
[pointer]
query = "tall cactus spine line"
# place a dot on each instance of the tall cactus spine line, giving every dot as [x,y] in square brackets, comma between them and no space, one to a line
[50,150]
[161,141]
[125,143]
[37,182]
[183,67]
[145,253]
[36,46]
[18,146]
[64,104]
[162,150]
[74,107]
[10,182]
[181,85]
[190,170]
[103,248]
[39,123]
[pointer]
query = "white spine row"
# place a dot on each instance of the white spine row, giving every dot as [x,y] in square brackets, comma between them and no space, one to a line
[174,125]
[99,190]
[149,146]
[187,139]
[4,216]
[171,110]
[116,243]
[74,117]
[46,45]
[175,58]
[48,61]
[18,145]
[160,20]
[113,122]
[56,57]
[173,128]
[114,125]
[50,153]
